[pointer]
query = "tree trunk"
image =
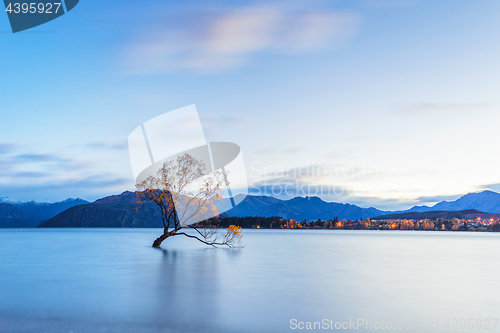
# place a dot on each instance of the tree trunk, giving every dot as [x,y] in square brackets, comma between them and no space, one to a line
[165,235]
[160,239]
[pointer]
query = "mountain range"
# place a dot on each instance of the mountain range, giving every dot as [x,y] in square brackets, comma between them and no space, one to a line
[300,209]
[122,210]
[486,201]
[114,211]
[13,217]
[313,208]
[18,214]
[44,210]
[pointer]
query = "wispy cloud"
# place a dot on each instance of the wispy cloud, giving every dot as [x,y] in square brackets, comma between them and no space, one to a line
[315,173]
[29,174]
[89,188]
[223,120]
[388,3]
[7,148]
[491,187]
[28,158]
[13,163]
[437,198]
[280,150]
[54,176]
[229,38]
[416,109]
[107,145]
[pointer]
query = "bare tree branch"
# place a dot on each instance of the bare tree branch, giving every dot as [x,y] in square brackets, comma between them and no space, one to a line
[181,207]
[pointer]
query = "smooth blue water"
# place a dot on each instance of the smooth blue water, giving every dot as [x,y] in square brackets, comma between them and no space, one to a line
[111,280]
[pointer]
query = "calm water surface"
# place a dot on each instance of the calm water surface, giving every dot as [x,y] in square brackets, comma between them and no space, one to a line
[111,280]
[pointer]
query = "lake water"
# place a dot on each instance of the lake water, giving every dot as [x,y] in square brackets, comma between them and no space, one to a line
[111,280]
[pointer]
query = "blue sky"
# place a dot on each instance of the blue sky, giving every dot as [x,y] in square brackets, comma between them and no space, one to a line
[385,103]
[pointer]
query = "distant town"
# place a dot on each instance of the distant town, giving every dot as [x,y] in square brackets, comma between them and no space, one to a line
[454,224]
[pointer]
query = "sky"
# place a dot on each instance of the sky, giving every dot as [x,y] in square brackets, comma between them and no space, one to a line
[383,103]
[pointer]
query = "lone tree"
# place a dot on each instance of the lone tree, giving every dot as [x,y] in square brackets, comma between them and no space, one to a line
[185,196]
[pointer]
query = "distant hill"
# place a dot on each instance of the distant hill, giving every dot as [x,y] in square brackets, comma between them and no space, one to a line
[486,201]
[443,214]
[45,210]
[300,208]
[109,212]
[249,206]
[13,217]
